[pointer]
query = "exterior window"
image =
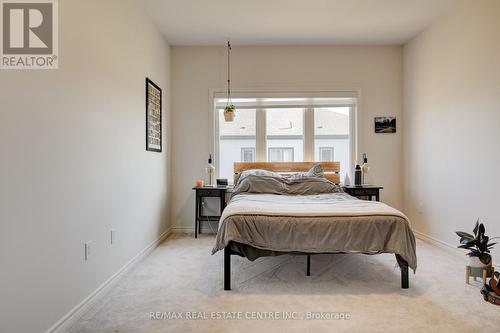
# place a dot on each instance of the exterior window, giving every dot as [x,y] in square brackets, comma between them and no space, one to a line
[285,135]
[280,154]
[235,140]
[332,130]
[248,154]
[284,129]
[326,154]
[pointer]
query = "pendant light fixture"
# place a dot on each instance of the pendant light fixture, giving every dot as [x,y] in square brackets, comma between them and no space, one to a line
[230,108]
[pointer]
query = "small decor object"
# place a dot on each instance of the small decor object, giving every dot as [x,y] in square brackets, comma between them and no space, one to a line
[347,180]
[153,117]
[489,295]
[357,175]
[365,168]
[494,284]
[210,171]
[479,252]
[200,183]
[491,291]
[230,108]
[385,124]
[222,182]
[229,113]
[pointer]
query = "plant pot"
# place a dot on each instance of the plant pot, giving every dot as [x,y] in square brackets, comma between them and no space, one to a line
[483,271]
[475,262]
[229,112]
[228,115]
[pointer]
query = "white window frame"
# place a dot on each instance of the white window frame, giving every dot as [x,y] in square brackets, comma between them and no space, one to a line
[309,135]
[282,149]
[332,149]
[243,149]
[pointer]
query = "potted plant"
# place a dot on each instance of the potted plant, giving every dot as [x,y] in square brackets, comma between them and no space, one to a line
[478,246]
[230,108]
[229,112]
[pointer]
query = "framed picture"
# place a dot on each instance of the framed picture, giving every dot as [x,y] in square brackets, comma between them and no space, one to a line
[385,124]
[153,117]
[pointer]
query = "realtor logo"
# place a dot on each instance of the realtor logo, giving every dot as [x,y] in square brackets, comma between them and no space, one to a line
[29,34]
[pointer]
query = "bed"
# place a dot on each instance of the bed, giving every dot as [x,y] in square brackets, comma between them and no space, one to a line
[280,208]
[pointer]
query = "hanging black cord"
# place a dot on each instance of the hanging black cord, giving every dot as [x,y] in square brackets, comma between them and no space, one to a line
[229,101]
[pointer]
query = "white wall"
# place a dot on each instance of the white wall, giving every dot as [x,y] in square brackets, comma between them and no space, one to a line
[74,165]
[377,71]
[452,123]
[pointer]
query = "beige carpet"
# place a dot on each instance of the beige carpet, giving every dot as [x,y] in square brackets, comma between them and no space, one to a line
[182,276]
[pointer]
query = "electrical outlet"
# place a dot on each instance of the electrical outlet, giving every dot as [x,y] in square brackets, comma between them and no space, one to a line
[87,250]
[112,236]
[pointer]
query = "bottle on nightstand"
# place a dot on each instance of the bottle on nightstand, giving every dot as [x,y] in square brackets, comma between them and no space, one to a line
[210,171]
[365,169]
[357,175]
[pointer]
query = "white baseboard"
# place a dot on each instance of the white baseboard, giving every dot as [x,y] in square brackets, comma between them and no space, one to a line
[65,323]
[205,229]
[452,249]
[182,230]
[439,243]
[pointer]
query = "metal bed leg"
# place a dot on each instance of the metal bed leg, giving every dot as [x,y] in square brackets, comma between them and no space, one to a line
[227,268]
[405,280]
[308,270]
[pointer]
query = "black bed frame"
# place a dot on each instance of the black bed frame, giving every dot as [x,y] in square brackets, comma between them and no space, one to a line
[405,282]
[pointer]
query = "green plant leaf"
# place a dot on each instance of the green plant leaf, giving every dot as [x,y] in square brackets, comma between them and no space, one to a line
[476,227]
[473,253]
[464,234]
[469,242]
[481,229]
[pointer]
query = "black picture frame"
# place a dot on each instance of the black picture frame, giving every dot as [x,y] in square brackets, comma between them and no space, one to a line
[154,116]
[385,125]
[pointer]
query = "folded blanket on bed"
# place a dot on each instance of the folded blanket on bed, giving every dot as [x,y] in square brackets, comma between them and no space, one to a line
[331,204]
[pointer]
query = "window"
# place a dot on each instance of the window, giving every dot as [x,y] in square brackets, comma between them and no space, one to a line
[332,127]
[284,129]
[285,134]
[283,154]
[248,154]
[235,139]
[326,154]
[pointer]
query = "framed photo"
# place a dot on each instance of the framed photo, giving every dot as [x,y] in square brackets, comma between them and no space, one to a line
[153,117]
[385,124]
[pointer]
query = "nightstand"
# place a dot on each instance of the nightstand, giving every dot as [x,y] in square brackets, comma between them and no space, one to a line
[365,192]
[207,191]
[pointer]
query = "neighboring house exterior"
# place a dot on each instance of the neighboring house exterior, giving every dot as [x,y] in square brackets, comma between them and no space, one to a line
[284,137]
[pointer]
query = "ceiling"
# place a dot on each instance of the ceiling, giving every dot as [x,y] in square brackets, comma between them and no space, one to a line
[294,22]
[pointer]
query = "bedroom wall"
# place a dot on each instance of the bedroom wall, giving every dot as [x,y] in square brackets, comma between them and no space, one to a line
[452,122]
[74,165]
[377,71]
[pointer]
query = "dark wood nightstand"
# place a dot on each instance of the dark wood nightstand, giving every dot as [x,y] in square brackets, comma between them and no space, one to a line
[365,192]
[207,191]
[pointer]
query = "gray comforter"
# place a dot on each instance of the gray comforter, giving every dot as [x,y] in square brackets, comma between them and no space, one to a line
[262,224]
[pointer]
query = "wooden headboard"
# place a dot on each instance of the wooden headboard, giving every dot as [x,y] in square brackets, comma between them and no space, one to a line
[331,169]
